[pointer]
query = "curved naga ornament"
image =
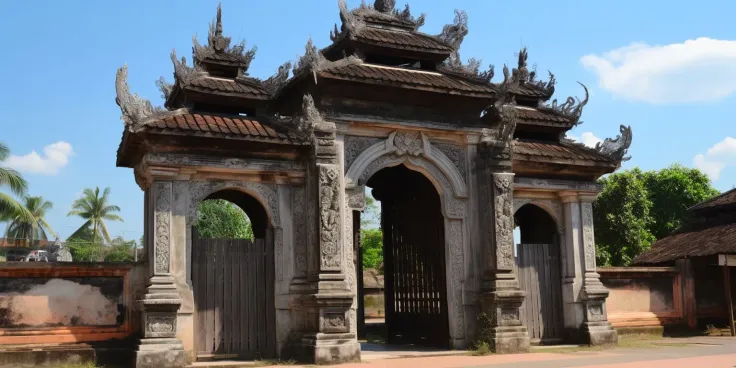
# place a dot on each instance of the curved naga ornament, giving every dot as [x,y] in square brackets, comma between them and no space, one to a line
[616,148]
[136,110]
[572,107]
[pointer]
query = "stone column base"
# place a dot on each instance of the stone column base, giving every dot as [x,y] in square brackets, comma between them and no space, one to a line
[510,340]
[160,353]
[323,348]
[600,333]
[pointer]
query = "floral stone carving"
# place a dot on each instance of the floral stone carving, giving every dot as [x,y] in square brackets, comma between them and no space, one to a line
[329,214]
[162,225]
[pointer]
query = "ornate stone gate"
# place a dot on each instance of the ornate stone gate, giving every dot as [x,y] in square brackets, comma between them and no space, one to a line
[484,146]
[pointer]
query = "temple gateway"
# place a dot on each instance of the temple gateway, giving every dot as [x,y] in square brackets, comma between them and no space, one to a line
[456,160]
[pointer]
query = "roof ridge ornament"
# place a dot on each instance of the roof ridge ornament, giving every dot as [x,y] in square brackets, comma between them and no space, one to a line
[471,69]
[385,6]
[183,73]
[217,43]
[314,61]
[616,148]
[137,111]
[454,34]
[572,107]
[275,82]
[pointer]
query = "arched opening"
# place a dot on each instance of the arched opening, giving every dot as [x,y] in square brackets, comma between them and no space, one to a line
[414,286]
[538,264]
[233,278]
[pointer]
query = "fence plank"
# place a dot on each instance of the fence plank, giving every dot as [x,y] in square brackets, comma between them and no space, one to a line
[210,317]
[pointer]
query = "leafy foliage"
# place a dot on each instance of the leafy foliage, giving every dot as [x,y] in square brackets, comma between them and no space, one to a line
[94,207]
[220,219]
[28,231]
[371,238]
[635,208]
[672,191]
[84,249]
[9,207]
[371,241]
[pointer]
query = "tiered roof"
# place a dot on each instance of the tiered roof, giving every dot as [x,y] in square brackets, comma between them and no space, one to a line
[375,45]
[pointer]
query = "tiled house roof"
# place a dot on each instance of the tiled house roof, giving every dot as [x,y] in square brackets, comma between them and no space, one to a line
[231,126]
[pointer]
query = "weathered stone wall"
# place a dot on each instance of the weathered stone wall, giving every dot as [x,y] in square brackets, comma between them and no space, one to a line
[67,302]
[643,296]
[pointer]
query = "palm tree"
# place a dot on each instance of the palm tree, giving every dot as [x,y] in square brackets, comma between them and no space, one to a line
[94,207]
[9,207]
[32,229]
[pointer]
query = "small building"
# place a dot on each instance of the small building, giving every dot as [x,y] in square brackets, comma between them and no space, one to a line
[706,247]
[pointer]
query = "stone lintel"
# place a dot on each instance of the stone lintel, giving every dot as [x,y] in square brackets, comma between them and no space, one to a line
[556,185]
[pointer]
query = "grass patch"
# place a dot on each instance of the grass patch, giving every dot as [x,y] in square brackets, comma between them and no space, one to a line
[78,365]
[267,363]
[480,348]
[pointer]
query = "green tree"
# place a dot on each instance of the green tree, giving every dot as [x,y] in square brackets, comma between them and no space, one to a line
[9,207]
[83,248]
[120,250]
[621,216]
[672,191]
[30,231]
[371,242]
[635,208]
[220,219]
[94,207]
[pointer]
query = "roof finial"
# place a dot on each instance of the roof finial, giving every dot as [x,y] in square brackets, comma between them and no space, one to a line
[218,28]
[385,6]
[522,71]
[218,42]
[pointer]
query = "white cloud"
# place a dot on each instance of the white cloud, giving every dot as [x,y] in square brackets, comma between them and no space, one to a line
[55,157]
[717,158]
[702,69]
[588,138]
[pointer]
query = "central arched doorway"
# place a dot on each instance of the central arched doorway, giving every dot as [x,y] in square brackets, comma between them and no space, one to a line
[233,280]
[415,286]
[538,264]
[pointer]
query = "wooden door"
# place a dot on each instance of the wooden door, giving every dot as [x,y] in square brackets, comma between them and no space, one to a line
[414,259]
[233,282]
[538,267]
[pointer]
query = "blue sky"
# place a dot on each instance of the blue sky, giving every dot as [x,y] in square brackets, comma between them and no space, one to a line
[668,71]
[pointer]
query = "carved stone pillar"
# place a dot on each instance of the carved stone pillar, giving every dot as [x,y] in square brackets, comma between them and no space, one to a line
[159,346]
[501,297]
[328,338]
[596,325]
[572,285]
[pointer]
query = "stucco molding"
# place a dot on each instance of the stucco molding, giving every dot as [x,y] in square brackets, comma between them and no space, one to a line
[405,145]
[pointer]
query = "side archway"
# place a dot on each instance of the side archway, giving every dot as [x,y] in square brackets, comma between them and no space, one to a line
[233,280]
[539,264]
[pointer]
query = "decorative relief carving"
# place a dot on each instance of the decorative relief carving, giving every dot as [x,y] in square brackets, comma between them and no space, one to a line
[350,260]
[556,184]
[300,244]
[408,142]
[509,315]
[456,257]
[162,225]
[356,198]
[230,163]
[504,221]
[329,215]
[335,322]
[161,325]
[588,240]
[456,154]
[354,146]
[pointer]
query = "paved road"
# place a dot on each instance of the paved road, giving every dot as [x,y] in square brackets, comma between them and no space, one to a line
[713,352]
